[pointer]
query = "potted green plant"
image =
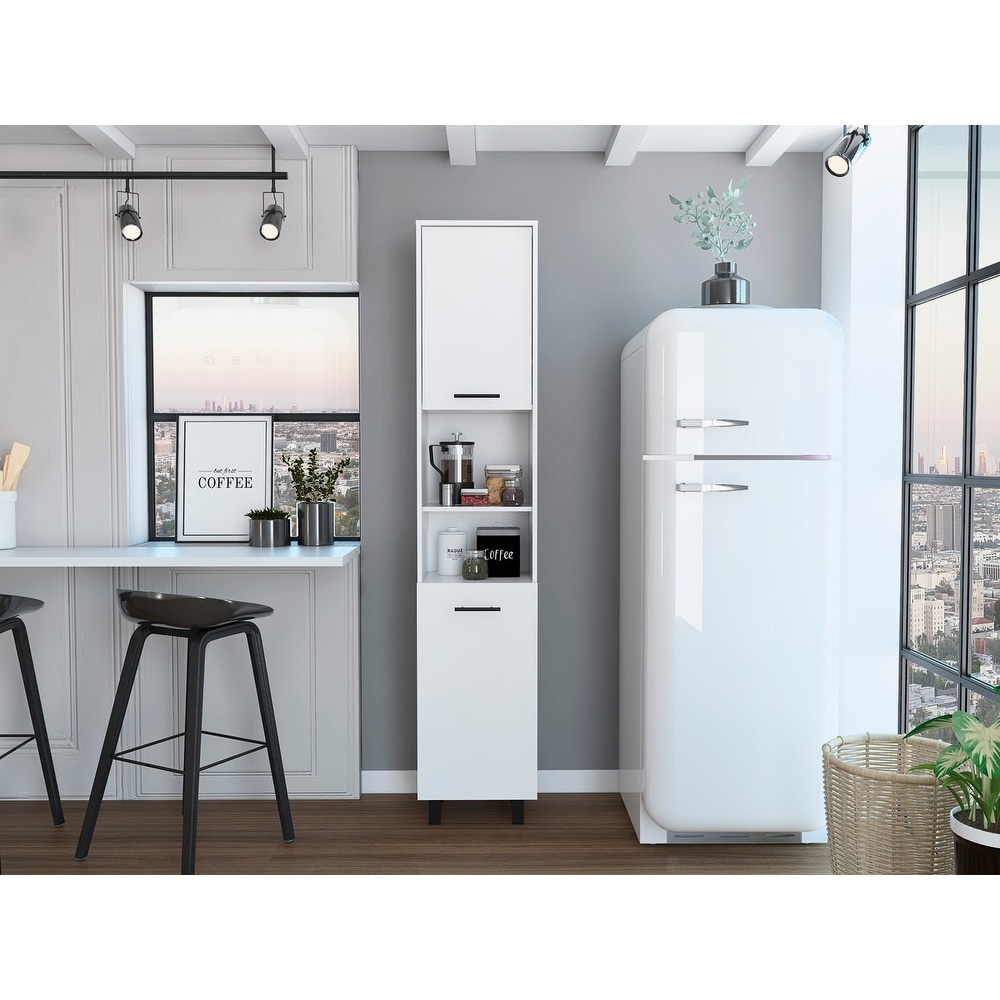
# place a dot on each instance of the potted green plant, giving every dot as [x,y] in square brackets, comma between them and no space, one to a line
[270,527]
[970,770]
[315,489]
[722,226]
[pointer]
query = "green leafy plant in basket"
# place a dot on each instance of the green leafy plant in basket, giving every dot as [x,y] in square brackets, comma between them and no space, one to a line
[313,484]
[970,768]
[720,224]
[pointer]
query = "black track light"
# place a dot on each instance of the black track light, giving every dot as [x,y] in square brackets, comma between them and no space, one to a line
[270,224]
[127,215]
[274,210]
[851,146]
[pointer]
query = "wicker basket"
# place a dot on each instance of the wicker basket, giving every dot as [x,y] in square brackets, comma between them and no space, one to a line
[880,819]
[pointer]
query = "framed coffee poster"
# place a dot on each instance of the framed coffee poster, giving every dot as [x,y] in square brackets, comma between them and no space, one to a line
[224,469]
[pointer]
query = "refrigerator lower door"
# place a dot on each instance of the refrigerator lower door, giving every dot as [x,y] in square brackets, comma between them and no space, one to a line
[740,609]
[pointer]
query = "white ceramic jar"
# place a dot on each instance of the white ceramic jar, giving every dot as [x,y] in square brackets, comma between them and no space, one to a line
[451,551]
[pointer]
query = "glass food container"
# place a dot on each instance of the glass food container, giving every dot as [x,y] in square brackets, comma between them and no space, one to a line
[475,567]
[512,495]
[496,475]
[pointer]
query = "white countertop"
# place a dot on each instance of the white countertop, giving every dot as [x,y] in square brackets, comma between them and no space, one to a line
[181,554]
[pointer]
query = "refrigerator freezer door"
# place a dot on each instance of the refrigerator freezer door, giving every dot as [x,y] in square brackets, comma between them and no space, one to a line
[742,380]
[741,618]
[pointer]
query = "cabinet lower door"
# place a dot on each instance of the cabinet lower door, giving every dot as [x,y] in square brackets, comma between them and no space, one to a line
[477,691]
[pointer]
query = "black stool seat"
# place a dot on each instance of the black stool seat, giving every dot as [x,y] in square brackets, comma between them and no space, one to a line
[12,606]
[181,611]
[199,621]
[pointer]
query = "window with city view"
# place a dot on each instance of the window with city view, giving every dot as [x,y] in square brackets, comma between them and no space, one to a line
[950,634]
[294,357]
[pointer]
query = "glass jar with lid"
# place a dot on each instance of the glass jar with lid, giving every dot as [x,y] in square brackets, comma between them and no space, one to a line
[496,475]
[475,566]
[512,494]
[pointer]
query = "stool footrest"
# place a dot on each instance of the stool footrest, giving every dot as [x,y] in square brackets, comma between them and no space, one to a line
[25,739]
[120,755]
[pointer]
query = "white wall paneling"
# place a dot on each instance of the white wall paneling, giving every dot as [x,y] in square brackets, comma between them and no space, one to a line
[207,231]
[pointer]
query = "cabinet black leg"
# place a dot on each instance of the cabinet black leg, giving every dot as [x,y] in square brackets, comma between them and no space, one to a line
[517,811]
[434,812]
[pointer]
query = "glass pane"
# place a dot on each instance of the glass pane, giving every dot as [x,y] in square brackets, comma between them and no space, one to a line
[929,694]
[934,565]
[938,385]
[987,417]
[985,583]
[985,708]
[332,441]
[989,198]
[164,477]
[255,354]
[941,203]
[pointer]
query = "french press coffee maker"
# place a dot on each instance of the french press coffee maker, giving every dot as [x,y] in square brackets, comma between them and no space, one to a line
[455,469]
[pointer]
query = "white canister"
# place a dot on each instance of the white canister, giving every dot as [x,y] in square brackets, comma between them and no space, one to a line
[8,525]
[451,551]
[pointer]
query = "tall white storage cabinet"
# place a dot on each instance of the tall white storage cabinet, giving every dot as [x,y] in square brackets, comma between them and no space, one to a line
[477,650]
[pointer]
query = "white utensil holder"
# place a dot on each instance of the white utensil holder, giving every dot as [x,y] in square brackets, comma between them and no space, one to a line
[8,523]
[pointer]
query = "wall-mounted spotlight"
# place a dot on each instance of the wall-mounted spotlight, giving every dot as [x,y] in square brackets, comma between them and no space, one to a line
[274,213]
[851,146]
[127,214]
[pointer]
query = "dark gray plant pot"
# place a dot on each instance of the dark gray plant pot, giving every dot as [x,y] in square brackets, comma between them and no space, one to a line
[725,287]
[316,523]
[271,534]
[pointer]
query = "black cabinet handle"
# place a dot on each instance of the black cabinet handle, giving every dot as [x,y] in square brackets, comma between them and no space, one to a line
[477,609]
[476,395]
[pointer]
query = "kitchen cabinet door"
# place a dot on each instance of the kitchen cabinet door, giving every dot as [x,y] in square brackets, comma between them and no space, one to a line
[477,699]
[476,314]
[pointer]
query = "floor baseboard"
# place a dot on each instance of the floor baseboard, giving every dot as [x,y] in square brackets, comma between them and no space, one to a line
[405,782]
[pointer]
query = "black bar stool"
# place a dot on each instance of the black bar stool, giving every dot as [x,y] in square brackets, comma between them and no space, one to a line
[11,609]
[199,620]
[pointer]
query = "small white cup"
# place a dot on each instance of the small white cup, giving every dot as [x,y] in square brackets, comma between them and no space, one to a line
[8,523]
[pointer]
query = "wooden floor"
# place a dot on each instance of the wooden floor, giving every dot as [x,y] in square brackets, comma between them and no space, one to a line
[573,834]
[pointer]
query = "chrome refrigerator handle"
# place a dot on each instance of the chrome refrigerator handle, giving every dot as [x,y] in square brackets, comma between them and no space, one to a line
[709,487]
[711,422]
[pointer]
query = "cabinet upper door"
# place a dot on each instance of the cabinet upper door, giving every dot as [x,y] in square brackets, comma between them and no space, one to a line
[476,302]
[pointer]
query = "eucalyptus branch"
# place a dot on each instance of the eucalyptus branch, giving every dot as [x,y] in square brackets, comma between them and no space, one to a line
[720,224]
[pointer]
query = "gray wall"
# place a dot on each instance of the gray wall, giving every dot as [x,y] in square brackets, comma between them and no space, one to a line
[611,258]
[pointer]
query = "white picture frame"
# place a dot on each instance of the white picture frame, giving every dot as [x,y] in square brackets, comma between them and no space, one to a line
[224,469]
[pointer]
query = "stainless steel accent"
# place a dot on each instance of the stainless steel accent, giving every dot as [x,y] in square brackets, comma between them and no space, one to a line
[711,422]
[448,494]
[709,487]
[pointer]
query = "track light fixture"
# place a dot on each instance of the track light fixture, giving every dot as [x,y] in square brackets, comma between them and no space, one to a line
[851,146]
[273,214]
[127,214]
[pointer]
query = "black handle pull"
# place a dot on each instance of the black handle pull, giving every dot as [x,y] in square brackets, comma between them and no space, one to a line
[476,395]
[477,609]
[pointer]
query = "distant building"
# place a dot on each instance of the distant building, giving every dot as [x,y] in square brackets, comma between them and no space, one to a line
[328,441]
[944,526]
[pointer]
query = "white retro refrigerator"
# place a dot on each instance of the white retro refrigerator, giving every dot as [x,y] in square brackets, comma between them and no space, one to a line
[730,553]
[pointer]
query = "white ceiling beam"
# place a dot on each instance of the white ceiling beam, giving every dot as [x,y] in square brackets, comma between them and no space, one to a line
[623,145]
[289,143]
[107,139]
[461,145]
[769,146]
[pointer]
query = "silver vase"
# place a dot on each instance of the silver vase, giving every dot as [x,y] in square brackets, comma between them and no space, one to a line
[270,534]
[725,287]
[316,523]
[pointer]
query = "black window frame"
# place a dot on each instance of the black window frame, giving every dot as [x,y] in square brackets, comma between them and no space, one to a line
[967,684]
[154,417]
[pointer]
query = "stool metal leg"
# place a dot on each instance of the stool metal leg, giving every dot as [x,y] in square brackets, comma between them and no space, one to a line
[106,758]
[259,667]
[194,705]
[20,634]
